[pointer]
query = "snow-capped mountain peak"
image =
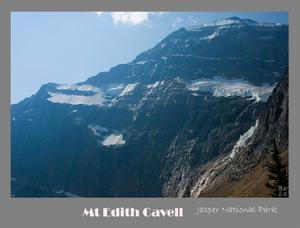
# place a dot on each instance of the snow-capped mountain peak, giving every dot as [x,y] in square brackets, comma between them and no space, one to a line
[231,22]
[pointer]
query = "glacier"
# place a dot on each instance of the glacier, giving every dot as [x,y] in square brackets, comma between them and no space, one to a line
[59,97]
[226,88]
[97,99]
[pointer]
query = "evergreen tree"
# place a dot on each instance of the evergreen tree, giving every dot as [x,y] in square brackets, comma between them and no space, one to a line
[187,193]
[278,180]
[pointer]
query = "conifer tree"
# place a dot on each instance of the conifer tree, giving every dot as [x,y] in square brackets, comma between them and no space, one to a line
[187,193]
[278,180]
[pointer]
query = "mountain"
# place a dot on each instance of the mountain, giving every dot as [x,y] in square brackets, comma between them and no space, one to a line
[150,127]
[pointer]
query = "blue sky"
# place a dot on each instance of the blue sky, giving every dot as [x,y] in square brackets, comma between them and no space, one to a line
[69,47]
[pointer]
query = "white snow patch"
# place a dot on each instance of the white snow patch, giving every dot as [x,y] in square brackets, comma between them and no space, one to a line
[154,85]
[227,88]
[220,23]
[28,111]
[61,98]
[202,183]
[113,139]
[224,22]
[66,87]
[96,129]
[128,89]
[255,93]
[117,87]
[230,23]
[243,140]
[207,57]
[141,62]
[212,36]
[75,87]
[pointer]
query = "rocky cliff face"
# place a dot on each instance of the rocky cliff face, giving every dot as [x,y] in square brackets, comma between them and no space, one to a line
[273,121]
[156,125]
[249,151]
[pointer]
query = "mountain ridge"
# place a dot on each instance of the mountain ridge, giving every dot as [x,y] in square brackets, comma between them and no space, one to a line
[191,46]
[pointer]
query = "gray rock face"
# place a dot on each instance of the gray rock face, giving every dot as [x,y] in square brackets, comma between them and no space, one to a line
[274,119]
[247,153]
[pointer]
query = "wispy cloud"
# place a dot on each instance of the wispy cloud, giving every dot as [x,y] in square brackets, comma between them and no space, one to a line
[131,18]
[177,21]
[193,20]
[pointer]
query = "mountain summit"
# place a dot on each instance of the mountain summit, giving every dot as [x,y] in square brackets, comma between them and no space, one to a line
[234,21]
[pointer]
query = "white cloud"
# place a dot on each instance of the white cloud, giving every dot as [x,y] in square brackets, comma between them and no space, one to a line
[131,18]
[193,20]
[177,21]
